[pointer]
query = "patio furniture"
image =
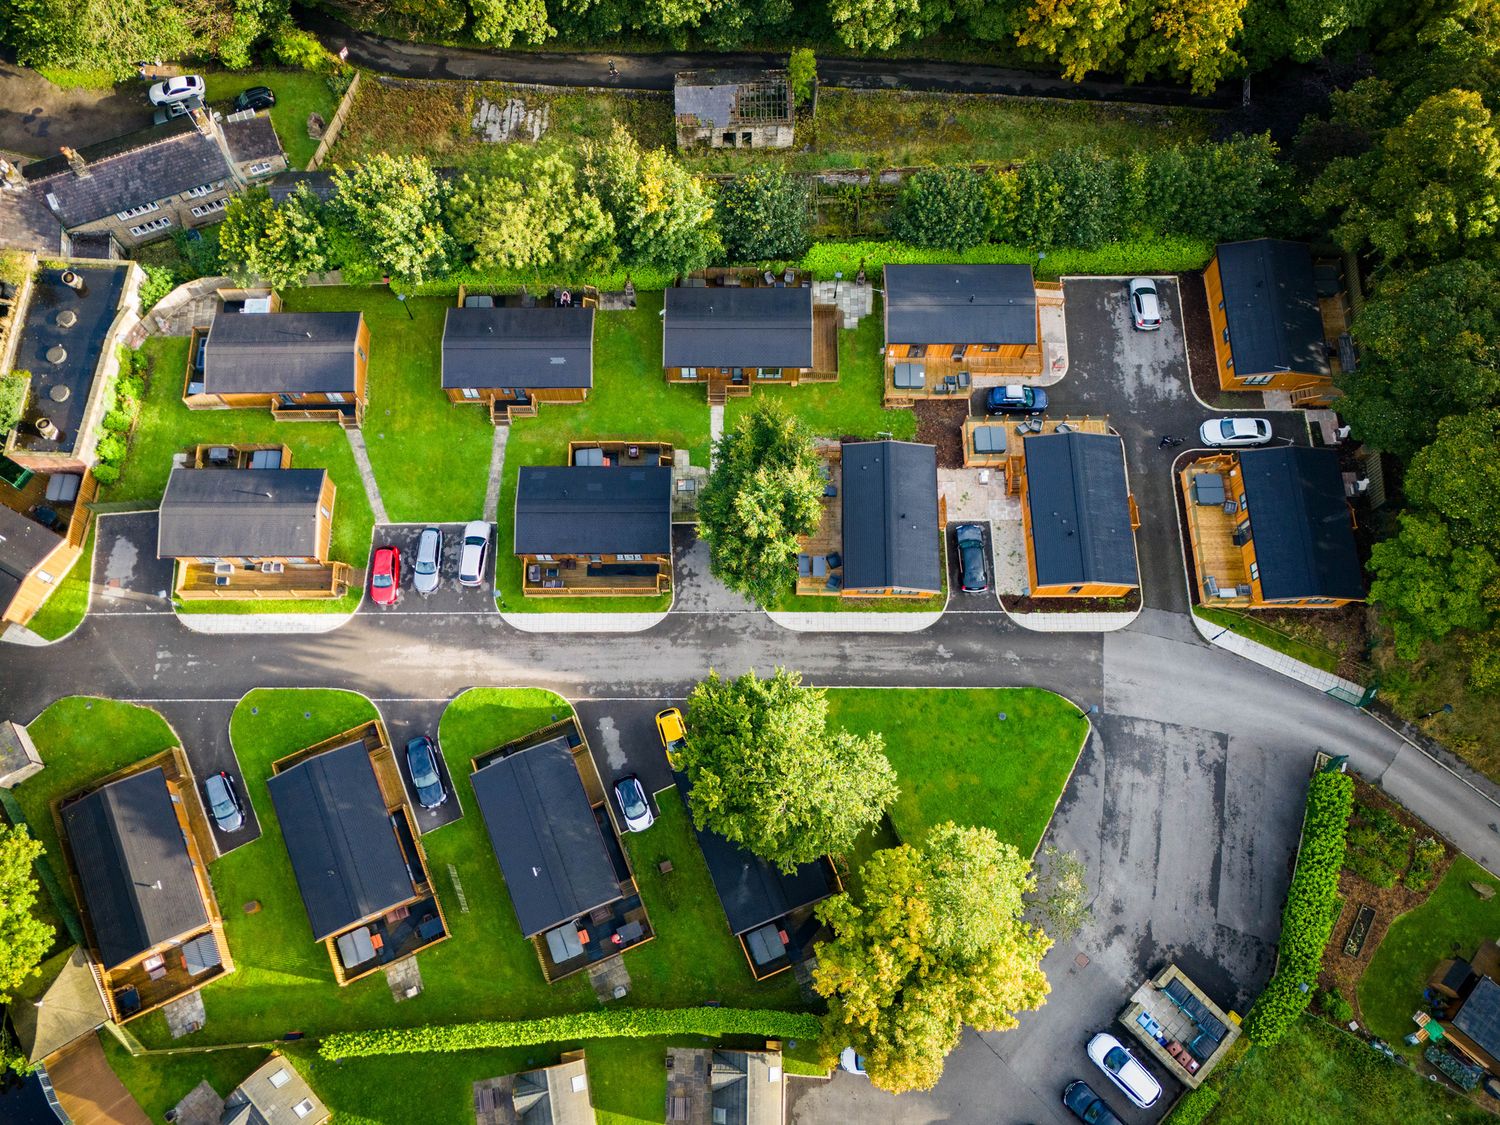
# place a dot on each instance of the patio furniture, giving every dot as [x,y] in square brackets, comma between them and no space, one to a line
[552,584]
[1230,507]
[377,941]
[128,1000]
[533,573]
[155,966]
[834,582]
[665,867]
[830,490]
[963,379]
[1064,428]
[583,936]
[62,488]
[677,1107]
[820,566]
[633,452]
[431,928]
[219,455]
[942,389]
[804,566]
[631,932]
[951,382]
[835,560]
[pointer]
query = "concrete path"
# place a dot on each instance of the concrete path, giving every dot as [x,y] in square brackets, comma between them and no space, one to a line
[262,624]
[497,470]
[367,474]
[715,431]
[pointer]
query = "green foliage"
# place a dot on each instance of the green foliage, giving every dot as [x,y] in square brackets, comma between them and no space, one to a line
[388,213]
[1061,898]
[1158,254]
[802,73]
[1331,1003]
[610,1023]
[24,938]
[277,245]
[111,449]
[878,25]
[1428,585]
[1379,845]
[499,23]
[14,267]
[118,421]
[106,474]
[763,215]
[1195,1106]
[942,207]
[1280,29]
[1312,907]
[159,282]
[764,492]
[663,214]
[1424,864]
[768,774]
[15,389]
[934,942]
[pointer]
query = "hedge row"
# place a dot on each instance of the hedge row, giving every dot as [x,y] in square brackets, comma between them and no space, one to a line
[1195,1106]
[614,1023]
[1312,907]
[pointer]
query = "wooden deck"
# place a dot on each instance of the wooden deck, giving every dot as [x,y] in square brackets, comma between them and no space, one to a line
[198,581]
[983,369]
[825,364]
[556,581]
[626,454]
[828,538]
[1211,532]
[208,457]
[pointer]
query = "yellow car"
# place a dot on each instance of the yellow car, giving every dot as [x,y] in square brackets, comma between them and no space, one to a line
[673,733]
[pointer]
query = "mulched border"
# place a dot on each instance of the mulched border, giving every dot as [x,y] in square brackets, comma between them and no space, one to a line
[1198,332]
[940,422]
[1021,603]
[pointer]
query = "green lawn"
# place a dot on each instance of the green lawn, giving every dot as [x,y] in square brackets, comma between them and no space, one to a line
[1319,1073]
[956,761]
[631,399]
[1454,918]
[168,427]
[431,459]
[158,1082]
[1253,630]
[63,612]
[298,93]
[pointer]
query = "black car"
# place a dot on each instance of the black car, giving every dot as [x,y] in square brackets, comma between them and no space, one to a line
[1015,399]
[257,97]
[421,759]
[971,560]
[1088,1106]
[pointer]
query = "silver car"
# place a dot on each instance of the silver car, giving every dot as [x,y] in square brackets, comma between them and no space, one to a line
[1235,431]
[424,572]
[471,559]
[1145,309]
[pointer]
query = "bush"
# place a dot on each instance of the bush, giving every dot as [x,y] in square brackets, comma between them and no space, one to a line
[159,282]
[294,47]
[1424,864]
[1195,1106]
[1150,255]
[802,73]
[946,207]
[15,389]
[1312,907]
[762,215]
[612,1023]
[119,421]
[1332,1004]
[111,449]
[131,388]
[1379,845]
[13,267]
[106,474]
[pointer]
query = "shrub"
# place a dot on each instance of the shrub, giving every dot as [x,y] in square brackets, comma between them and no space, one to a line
[1195,1106]
[762,215]
[1424,864]
[612,1023]
[1149,255]
[13,267]
[294,47]
[119,421]
[15,389]
[1332,1004]
[1379,845]
[159,282]
[946,207]
[1312,907]
[111,449]
[131,388]
[106,474]
[802,73]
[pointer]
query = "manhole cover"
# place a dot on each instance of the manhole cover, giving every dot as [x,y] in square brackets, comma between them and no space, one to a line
[1082,960]
[58,393]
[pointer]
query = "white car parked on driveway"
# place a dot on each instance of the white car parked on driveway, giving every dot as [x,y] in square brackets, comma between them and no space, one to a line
[471,558]
[177,89]
[1124,1070]
[1235,431]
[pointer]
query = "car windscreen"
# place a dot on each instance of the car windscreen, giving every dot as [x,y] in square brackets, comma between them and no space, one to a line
[630,797]
[1226,427]
[381,581]
[425,566]
[1116,1059]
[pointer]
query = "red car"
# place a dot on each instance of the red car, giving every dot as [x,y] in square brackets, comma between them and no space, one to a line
[385,576]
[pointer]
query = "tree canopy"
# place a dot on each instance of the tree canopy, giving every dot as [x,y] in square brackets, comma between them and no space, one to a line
[663,214]
[945,207]
[390,213]
[24,938]
[763,215]
[933,942]
[277,244]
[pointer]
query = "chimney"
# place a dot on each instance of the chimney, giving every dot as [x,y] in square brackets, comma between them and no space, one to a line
[76,161]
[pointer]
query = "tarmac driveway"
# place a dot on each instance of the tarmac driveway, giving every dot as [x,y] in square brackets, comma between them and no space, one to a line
[36,116]
[449,597]
[622,736]
[128,576]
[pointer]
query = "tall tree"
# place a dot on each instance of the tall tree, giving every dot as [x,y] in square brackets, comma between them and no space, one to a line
[663,214]
[1079,35]
[878,25]
[1187,39]
[1458,476]
[390,212]
[768,773]
[935,941]
[499,23]
[23,936]
[276,244]
[1426,585]
[764,491]
[1299,29]
[763,215]
[944,207]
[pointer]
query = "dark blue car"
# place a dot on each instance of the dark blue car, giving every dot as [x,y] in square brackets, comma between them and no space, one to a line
[1014,398]
[421,759]
[1088,1106]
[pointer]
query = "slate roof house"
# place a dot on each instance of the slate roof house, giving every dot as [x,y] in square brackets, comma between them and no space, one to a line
[1271,527]
[1272,319]
[250,533]
[548,1095]
[1078,515]
[713,1087]
[733,109]
[514,358]
[310,366]
[141,186]
[135,846]
[570,884]
[274,1094]
[732,329]
[892,521]
[354,850]
[34,559]
[948,325]
[594,530]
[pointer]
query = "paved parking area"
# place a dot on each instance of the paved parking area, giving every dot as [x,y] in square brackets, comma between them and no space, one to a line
[622,736]
[697,590]
[37,116]
[449,597]
[405,720]
[957,598]
[128,576]
[204,730]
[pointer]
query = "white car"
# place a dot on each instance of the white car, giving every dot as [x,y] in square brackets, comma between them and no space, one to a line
[1124,1070]
[1235,431]
[1145,308]
[177,89]
[471,558]
[851,1061]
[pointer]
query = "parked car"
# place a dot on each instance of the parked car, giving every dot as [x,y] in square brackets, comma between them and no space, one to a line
[257,97]
[634,807]
[1235,431]
[385,576]
[471,558]
[971,560]
[1015,399]
[1088,1106]
[177,89]
[1124,1070]
[224,802]
[851,1061]
[1145,307]
[424,571]
[167,112]
[672,731]
[421,759]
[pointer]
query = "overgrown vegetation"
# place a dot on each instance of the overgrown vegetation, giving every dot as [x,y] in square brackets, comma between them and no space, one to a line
[1379,845]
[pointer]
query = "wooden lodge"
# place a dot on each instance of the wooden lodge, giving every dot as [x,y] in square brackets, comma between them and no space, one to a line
[44,522]
[1078,515]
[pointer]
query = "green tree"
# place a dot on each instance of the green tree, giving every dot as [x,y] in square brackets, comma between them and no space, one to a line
[1443,323]
[1426,585]
[935,941]
[878,25]
[802,73]
[531,213]
[765,490]
[15,389]
[1078,35]
[763,215]
[1071,197]
[390,212]
[944,207]
[1299,29]
[1458,476]
[1061,897]
[663,214]
[768,773]
[24,938]
[499,23]
[276,244]
[1187,39]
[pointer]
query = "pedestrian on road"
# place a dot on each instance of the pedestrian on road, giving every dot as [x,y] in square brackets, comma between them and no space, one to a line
[613,73]
[1168,441]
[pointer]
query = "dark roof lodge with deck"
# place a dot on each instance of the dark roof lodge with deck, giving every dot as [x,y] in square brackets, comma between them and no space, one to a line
[577,510]
[252,513]
[539,347]
[736,326]
[1299,520]
[960,305]
[1271,307]
[1078,507]
[283,353]
[890,517]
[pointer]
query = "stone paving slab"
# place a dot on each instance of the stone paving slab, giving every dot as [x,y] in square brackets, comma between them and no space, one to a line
[260,623]
[185,1015]
[856,622]
[404,977]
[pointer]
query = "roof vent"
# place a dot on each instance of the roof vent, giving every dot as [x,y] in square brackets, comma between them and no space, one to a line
[57,354]
[67,318]
[74,280]
[47,428]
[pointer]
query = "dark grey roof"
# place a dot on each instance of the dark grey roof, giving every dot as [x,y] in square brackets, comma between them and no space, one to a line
[285,183]
[23,544]
[234,513]
[891,516]
[734,326]
[1299,521]
[544,346]
[1479,1017]
[274,353]
[960,305]
[580,510]
[340,839]
[252,138]
[545,836]
[130,171]
[1271,307]
[1080,510]
[133,866]
[754,892]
